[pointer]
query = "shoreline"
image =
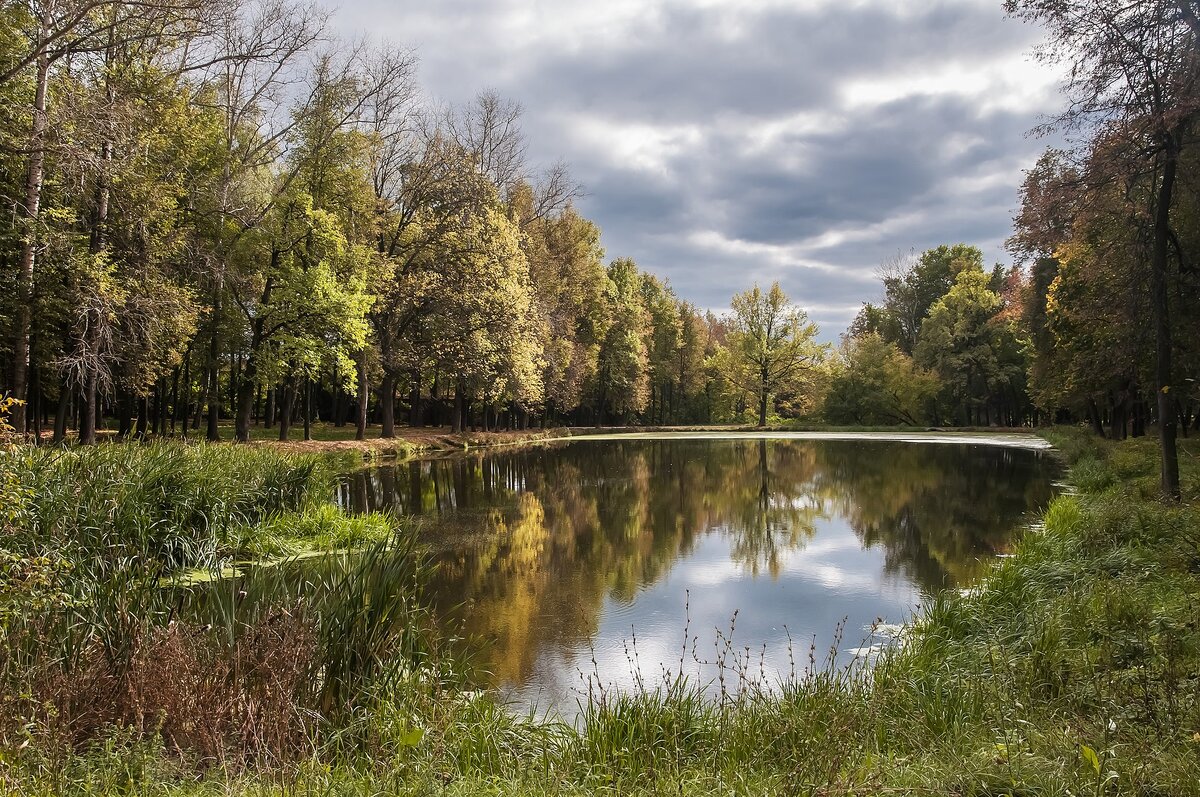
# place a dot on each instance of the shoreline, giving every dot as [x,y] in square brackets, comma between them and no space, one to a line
[415,442]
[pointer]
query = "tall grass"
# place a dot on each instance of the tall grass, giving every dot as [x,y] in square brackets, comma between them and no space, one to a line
[169,504]
[1070,670]
[99,639]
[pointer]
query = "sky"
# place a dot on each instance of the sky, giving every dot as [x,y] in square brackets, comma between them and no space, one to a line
[726,142]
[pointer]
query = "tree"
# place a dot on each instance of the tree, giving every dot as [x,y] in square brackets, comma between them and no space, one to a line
[876,383]
[970,348]
[257,54]
[664,346]
[623,374]
[51,30]
[485,335]
[301,275]
[912,284]
[566,264]
[1135,75]
[770,343]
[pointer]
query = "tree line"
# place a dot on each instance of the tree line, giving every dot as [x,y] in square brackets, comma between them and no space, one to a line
[1098,321]
[220,214]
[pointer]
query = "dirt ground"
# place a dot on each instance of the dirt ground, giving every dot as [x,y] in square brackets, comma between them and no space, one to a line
[408,441]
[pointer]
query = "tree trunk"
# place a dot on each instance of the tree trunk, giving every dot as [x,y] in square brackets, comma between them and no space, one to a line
[124,415]
[415,413]
[87,418]
[143,421]
[289,402]
[360,425]
[33,198]
[64,409]
[460,408]
[268,416]
[435,406]
[1094,417]
[387,405]
[174,400]
[158,426]
[245,399]
[308,408]
[336,412]
[1161,311]
[212,376]
[182,408]
[33,418]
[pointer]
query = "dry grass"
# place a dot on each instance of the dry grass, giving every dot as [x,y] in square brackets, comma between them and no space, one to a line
[211,703]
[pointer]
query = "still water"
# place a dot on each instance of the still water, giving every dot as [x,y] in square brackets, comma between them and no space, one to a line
[609,561]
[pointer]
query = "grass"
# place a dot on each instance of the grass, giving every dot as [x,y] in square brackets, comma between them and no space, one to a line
[1070,670]
[104,647]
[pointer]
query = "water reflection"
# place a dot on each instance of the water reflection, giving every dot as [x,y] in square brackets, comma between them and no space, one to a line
[555,556]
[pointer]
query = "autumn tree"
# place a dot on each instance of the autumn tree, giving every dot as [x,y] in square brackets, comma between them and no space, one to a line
[569,282]
[47,31]
[1134,76]
[770,343]
[875,383]
[912,284]
[623,378]
[968,346]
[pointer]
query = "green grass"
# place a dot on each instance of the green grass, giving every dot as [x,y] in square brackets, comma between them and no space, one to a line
[173,504]
[1070,670]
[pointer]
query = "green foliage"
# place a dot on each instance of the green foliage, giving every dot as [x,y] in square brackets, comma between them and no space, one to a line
[170,504]
[569,281]
[624,379]
[770,348]
[875,383]
[975,353]
[1074,652]
[89,599]
[962,326]
[912,285]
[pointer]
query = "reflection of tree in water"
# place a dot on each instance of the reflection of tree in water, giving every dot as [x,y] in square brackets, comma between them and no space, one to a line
[778,505]
[531,542]
[938,511]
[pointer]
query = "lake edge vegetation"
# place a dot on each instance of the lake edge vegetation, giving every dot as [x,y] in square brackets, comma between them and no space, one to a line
[1068,668]
[217,226]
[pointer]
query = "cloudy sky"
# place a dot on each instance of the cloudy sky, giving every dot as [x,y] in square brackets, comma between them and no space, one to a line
[723,142]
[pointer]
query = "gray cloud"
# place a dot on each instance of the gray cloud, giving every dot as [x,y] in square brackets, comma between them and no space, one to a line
[726,143]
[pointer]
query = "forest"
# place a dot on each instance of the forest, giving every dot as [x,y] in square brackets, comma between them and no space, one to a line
[222,217]
[253,222]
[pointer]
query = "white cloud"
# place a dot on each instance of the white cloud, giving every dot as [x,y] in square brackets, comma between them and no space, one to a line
[638,147]
[1012,83]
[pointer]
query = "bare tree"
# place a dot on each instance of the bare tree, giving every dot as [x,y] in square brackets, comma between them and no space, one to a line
[489,129]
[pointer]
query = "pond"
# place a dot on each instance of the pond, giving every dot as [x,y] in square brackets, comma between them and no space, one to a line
[609,561]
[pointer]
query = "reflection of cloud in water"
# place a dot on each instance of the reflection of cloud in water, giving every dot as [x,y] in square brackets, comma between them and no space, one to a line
[835,564]
[777,619]
[550,555]
[709,573]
